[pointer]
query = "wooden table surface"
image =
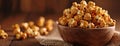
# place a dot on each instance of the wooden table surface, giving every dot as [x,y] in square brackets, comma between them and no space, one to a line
[6,23]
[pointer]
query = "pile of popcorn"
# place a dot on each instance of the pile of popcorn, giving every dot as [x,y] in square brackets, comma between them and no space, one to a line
[31,29]
[86,15]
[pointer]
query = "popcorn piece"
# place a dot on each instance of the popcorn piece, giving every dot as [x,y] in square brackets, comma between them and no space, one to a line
[72,22]
[67,12]
[91,25]
[25,25]
[35,28]
[111,22]
[74,10]
[78,17]
[74,4]
[3,34]
[83,2]
[18,36]
[29,32]
[36,33]
[83,24]
[49,25]
[102,23]
[49,28]
[90,3]
[41,21]
[90,7]
[16,29]
[31,23]
[43,31]
[63,21]
[82,5]
[80,12]
[49,22]
[87,16]
[24,36]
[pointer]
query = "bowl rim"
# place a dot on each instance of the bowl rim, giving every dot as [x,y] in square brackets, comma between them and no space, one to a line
[84,28]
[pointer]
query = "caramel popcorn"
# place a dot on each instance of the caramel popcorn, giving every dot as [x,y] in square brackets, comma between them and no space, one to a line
[16,29]
[25,25]
[41,21]
[31,29]
[3,34]
[82,5]
[74,10]
[86,15]
[78,17]
[91,25]
[18,36]
[49,25]
[72,22]
[63,21]
[43,31]
[24,36]
[21,35]
[83,24]
[31,23]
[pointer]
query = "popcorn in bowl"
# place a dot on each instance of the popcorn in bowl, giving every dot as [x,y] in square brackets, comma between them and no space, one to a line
[86,24]
[86,15]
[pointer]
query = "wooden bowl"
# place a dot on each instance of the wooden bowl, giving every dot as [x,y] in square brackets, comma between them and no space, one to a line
[86,37]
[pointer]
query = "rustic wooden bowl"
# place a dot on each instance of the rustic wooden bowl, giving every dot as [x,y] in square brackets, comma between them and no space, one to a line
[86,37]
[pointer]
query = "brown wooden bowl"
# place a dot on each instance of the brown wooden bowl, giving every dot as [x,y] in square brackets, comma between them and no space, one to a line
[86,37]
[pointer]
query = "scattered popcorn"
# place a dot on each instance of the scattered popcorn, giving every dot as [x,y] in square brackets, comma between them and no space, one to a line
[31,29]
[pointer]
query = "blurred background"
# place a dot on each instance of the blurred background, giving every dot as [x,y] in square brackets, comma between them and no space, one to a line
[17,11]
